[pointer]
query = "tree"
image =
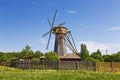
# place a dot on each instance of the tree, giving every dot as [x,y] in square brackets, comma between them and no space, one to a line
[38,54]
[91,59]
[106,58]
[7,57]
[117,57]
[84,54]
[1,53]
[26,52]
[112,58]
[97,56]
[51,56]
[3,58]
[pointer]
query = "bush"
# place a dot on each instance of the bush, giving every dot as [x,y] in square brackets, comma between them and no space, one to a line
[51,56]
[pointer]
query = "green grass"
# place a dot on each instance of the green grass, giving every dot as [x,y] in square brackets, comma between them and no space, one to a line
[19,74]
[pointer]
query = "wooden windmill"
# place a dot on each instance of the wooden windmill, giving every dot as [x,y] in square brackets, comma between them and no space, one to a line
[63,38]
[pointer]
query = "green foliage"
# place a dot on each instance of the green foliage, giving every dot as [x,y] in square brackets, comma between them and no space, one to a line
[7,56]
[97,56]
[112,57]
[1,53]
[109,58]
[84,54]
[91,59]
[106,58]
[18,74]
[118,57]
[3,58]
[51,56]
[38,54]
[26,52]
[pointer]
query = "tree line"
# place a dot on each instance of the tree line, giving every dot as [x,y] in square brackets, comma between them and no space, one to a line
[26,53]
[97,56]
[8,56]
[84,54]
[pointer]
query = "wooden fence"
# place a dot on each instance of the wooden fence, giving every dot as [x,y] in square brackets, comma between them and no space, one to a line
[57,65]
[108,66]
[66,65]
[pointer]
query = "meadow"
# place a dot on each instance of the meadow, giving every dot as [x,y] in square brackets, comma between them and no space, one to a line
[7,73]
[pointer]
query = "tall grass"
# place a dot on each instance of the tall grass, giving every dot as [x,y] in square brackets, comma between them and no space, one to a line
[19,74]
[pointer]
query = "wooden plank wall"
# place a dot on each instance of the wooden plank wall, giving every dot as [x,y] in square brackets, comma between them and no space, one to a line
[108,66]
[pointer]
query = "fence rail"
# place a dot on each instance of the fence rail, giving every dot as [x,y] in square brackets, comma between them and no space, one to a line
[66,65]
[108,66]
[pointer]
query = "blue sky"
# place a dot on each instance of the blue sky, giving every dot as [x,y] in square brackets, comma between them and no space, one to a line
[93,22]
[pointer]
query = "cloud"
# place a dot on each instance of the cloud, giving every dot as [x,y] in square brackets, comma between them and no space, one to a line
[71,12]
[116,28]
[94,46]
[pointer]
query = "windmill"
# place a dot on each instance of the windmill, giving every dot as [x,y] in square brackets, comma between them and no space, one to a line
[63,37]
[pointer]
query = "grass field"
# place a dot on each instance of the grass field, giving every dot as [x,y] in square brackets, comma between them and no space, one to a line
[19,74]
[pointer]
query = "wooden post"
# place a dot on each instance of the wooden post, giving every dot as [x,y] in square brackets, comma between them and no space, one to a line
[76,63]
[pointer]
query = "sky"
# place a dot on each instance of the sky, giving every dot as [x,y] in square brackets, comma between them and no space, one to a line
[95,23]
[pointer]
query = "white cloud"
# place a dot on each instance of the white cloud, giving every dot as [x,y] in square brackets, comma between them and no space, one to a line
[116,28]
[71,12]
[93,46]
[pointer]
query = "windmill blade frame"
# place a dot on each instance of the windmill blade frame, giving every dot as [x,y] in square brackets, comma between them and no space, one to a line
[73,41]
[48,40]
[49,22]
[61,24]
[68,43]
[52,26]
[46,33]
[54,19]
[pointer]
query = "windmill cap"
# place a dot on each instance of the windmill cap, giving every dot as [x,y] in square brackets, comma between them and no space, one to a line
[60,30]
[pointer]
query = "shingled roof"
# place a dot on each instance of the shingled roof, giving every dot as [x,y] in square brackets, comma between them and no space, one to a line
[70,56]
[67,56]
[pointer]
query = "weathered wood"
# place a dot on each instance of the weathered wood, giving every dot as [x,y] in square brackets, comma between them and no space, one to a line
[60,47]
[108,66]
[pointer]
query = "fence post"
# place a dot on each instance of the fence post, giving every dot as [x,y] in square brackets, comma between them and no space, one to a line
[96,66]
[57,64]
[111,66]
[86,65]
[76,65]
